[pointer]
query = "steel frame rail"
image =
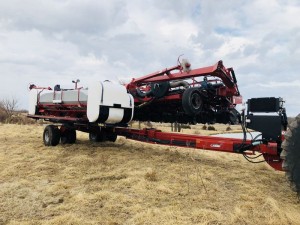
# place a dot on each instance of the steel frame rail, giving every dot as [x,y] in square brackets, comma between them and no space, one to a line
[269,150]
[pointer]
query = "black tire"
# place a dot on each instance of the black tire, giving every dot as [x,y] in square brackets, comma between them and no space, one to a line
[234,117]
[93,136]
[68,136]
[291,154]
[72,136]
[160,89]
[97,136]
[111,136]
[192,101]
[51,135]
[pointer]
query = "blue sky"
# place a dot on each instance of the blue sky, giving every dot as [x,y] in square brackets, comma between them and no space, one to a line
[52,42]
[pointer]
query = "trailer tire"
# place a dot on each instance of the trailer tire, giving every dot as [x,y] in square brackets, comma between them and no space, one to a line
[72,136]
[291,154]
[93,136]
[68,136]
[97,136]
[192,101]
[51,135]
[111,136]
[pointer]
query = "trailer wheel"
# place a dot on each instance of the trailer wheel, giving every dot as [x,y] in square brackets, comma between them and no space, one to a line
[291,154]
[97,136]
[68,136]
[51,135]
[111,136]
[72,136]
[93,136]
[192,101]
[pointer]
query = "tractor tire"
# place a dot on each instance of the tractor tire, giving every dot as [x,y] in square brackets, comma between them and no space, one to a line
[97,136]
[192,101]
[68,136]
[51,135]
[291,154]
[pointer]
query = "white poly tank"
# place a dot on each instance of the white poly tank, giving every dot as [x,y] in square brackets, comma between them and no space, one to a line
[109,103]
[104,102]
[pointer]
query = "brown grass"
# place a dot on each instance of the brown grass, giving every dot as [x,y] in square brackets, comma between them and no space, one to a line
[211,128]
[190,129]
[16,118]
[128,182]
[151,175]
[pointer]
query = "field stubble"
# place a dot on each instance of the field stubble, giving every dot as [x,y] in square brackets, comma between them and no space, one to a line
[129,182]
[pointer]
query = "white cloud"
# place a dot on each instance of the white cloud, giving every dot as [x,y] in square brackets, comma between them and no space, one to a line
[282,84]
[55,41]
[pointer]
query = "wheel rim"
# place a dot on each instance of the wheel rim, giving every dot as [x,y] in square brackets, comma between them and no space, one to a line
[93,136]
[196,101]
[46,137]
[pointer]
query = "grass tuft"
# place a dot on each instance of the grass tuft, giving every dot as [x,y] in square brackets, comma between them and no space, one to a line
[211,127]
[151,175]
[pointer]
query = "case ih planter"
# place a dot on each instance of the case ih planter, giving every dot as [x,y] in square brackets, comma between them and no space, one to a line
[176,94]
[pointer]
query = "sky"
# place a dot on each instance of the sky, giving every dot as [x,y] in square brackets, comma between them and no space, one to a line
[56,41]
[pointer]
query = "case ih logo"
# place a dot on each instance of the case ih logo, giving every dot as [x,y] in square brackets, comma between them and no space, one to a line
[215,145]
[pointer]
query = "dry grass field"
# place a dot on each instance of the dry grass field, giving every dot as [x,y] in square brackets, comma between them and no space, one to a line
[129,182]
